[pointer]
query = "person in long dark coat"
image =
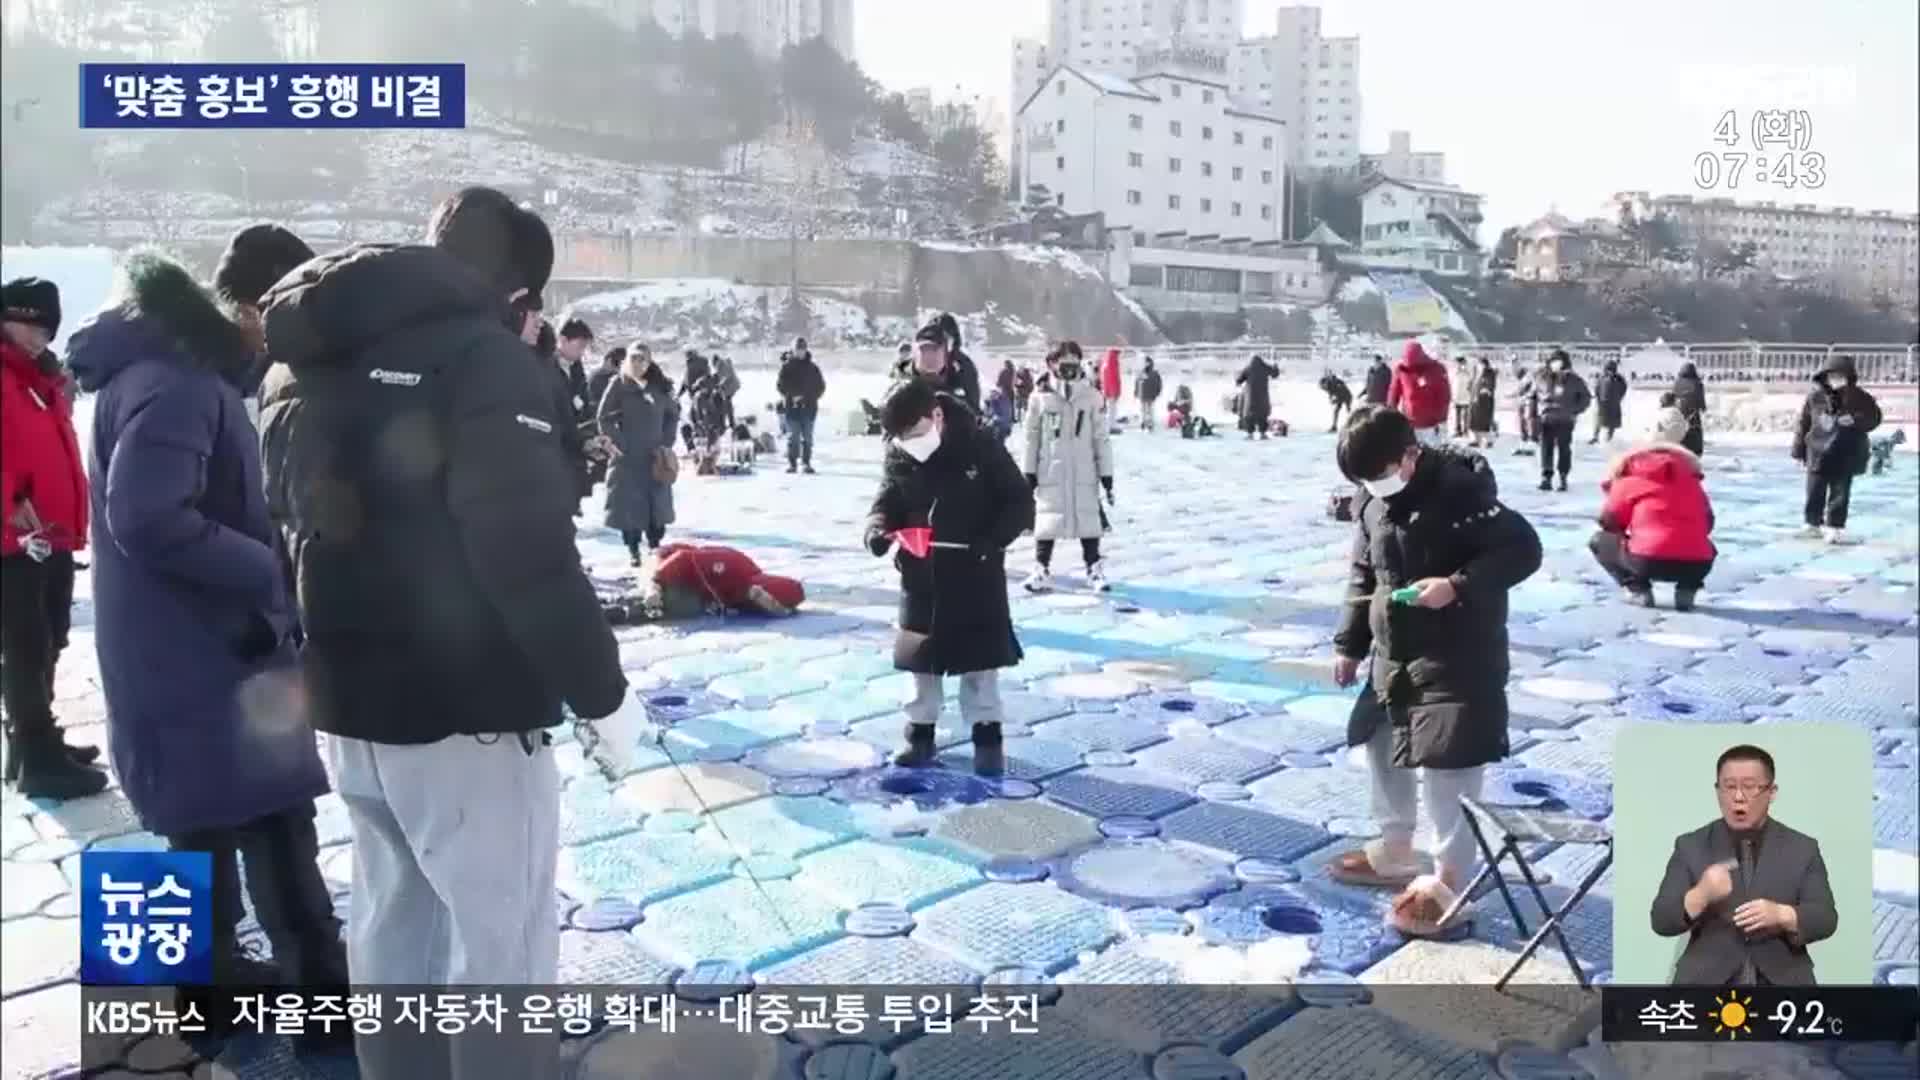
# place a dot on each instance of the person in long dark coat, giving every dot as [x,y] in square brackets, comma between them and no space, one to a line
[1256,401]
[638,417]
[944,473]
[1608,398]
[193,617]
[1482,417]
[1379,382]
[1831,440]
[1690,397]
[1427,519]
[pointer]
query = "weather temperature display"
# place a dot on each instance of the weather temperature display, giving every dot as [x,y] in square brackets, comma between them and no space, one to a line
[1759,1013]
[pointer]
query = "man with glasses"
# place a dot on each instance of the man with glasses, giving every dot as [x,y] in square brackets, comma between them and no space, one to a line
[1750,893]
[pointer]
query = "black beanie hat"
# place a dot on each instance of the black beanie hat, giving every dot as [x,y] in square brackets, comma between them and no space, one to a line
[936,331]
[256,258]
[31,300]
[508,245]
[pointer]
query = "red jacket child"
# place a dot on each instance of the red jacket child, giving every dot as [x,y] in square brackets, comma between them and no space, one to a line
[1110,376]
[1420,388]
[39,457]
[728,578]
[1656,497]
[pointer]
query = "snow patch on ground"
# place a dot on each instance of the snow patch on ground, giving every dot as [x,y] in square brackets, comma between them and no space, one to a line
[1274,962]
[1357,288]
[1896,876]
[901,818]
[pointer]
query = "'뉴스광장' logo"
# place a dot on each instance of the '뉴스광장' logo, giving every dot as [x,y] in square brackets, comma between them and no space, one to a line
[146,918]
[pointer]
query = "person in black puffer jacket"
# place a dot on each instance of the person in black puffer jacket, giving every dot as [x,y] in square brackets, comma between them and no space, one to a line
[938,358]
[801,386]
[1429,520]
[448,621]
[1831,440]
[946,474]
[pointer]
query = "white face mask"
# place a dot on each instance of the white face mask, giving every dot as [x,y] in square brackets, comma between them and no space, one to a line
[1386,487]
[920,447]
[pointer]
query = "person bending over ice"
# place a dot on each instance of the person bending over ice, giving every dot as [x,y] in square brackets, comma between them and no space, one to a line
[946,475]
[1434,555]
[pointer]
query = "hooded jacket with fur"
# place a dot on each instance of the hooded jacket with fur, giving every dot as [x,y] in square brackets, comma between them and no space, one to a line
[1655,495]
[192,619]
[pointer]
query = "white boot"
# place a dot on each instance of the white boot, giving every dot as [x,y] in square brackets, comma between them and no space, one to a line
[1041,580]
[1838,537]
[1097,577]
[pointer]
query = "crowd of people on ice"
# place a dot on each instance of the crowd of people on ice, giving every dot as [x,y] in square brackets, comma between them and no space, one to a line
[336,493]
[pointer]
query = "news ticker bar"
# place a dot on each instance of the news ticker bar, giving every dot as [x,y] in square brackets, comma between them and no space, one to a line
[1627,1013]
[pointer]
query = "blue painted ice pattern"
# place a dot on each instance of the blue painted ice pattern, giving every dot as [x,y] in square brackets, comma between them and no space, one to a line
[1205,667]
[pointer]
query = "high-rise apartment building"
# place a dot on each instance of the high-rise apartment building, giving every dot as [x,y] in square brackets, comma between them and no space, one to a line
[1862,252]
[1310,81]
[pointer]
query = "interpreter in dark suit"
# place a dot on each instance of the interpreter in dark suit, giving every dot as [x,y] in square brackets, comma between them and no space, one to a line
[1750,893]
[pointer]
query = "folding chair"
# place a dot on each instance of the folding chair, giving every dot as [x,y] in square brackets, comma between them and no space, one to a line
[1527,826]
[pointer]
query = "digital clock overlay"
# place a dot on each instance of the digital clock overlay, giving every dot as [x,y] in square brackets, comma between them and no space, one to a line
[1726,878]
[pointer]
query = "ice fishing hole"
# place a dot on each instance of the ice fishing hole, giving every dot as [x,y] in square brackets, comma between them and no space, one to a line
[906,784]
[670,701]
[1679,707]
[1178,705]
[1533,789]
[1290,919]
[1776,651]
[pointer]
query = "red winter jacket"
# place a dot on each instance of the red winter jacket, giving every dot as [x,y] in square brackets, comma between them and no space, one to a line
[728,577]
[39,455]
[1110,375]
[1656,496]
[1420,388]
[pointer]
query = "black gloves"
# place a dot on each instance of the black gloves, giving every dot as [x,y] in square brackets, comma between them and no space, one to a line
[1107,483]
[1033,482]
[878,541]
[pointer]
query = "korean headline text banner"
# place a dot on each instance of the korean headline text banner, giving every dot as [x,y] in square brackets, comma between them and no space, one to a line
[273,95]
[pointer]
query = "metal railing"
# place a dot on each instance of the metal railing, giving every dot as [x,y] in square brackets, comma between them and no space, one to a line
[1745,363]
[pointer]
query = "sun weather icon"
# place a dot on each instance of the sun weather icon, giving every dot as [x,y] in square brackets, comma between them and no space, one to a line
[1730,1016]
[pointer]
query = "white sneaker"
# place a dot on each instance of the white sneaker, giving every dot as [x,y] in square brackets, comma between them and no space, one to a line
[1039,581]
[1810,532]
[1097,577]
[1839,537]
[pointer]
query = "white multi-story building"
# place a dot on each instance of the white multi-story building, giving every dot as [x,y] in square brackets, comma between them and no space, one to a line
[1402,162]
[1169,151]
[1865,251]
[1310,81]
[768,25]
[1413,225]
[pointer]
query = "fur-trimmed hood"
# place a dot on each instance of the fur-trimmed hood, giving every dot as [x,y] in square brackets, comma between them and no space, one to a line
[1649,458]
[158,311]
